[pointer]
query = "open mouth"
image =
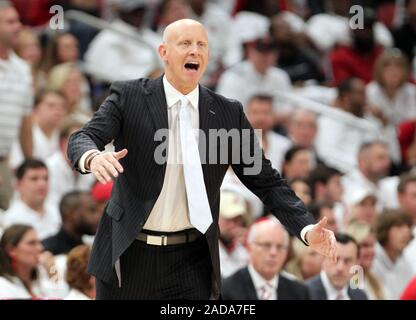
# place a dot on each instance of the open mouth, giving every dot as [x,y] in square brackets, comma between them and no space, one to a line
[192,66]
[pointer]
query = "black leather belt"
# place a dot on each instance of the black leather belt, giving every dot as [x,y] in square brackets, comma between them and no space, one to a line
[169,239]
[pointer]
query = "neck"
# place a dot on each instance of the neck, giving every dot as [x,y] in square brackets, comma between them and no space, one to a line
[390,91]
[36,206]
[4,53]
[392,253]
[71,232]
[25,275]
[183,88]
[368,176]
[46,128]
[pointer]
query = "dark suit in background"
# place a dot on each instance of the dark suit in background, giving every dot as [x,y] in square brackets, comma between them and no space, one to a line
[131,115]
[240,286]
[317,290]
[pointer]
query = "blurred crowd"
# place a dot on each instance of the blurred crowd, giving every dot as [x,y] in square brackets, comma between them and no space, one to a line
[335,104]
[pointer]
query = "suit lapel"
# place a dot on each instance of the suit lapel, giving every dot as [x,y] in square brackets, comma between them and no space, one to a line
[249,285]
[207,114]
[282,289]
[156,103]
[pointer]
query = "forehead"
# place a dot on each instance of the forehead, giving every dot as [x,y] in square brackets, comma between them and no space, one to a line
[8,13]
[347,250]
[189,32]
[35,172]
[269,232]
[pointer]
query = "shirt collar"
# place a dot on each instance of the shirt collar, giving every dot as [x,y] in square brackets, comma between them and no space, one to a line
[259,281]
[173,95]
[332,292]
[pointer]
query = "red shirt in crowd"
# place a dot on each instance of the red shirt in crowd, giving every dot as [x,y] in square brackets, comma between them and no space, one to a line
[410,292]
[347,62]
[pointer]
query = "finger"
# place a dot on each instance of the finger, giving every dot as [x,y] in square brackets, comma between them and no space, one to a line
[110,169]
[322,223]
[104,174]
[116,164]
[99,177]
[120,154]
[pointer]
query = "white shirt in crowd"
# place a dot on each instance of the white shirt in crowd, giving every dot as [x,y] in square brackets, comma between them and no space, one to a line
[410,251]
[398,109]
[46,224]
[75,294]
[63,179]
[13,288]
[385,190]
[242,81]
[43,146]
[259,283]
[232,261]
[115,56]
[331,292]
[336,29]
[277,146]
[394,275]
[16,99]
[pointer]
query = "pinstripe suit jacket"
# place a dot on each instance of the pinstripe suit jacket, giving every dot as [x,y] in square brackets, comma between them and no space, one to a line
[130,116]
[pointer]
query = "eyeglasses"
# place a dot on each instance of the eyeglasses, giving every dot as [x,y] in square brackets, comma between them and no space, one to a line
[267,246]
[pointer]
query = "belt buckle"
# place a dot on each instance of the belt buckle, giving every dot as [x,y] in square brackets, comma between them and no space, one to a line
[157,240]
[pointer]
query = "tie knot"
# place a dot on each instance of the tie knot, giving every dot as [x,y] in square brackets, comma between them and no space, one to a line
[184,102]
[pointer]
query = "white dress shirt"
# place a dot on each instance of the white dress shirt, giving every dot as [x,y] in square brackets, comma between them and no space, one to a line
[233,260]
[331,292]
[259,283]
[75,294]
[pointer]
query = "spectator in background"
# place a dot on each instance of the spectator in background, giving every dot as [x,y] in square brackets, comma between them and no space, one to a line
[79,218]
[297,163]
[337,143]
[300,65]
[326,184]
[391,96]
[81,283]
[68,79]
[405,36]
[302,130]
[232,221]
[362,206]
[358,59]
[169,11]
[120,55]
[321,210]
[16,98]
[268,244]
[48,113]
[62,178]
[333,283]
[62,48]
[28,48]
[259,111]
[363,233]
[31,208]
[20,251]
[407,200]
[370,174]
[305,262]
[257,75]
[334,24]
[390,265]
[301,188]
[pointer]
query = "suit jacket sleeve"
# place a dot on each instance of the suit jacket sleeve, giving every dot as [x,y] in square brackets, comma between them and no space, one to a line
[101,129]
[269,186]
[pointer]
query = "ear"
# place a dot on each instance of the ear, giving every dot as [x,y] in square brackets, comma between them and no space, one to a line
[162,51]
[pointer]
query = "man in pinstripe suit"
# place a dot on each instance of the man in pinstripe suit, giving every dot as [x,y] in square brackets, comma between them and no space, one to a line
[151,242]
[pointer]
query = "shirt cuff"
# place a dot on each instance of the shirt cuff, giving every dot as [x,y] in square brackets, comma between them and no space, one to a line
[81,162]
[303,232]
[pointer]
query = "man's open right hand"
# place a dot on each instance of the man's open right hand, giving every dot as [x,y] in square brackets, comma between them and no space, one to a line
[106,166]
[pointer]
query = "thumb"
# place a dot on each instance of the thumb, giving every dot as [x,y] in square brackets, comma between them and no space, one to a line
[120,154]
[322,223]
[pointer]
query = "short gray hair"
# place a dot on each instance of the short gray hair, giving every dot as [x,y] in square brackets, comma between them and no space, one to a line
[252,233]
